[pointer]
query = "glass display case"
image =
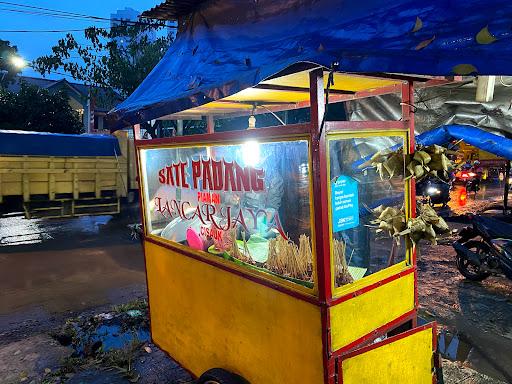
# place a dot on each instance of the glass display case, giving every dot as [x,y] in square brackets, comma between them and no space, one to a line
[359,192]
[248,203]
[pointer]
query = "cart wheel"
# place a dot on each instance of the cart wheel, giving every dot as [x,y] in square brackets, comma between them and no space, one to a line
[220,376]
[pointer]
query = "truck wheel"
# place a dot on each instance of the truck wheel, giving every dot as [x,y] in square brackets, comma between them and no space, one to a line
[220,376]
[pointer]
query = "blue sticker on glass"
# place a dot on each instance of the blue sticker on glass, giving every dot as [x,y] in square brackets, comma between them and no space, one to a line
[345,203]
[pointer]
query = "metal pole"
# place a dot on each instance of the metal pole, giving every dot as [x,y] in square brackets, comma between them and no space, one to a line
[507,187]
[179,127]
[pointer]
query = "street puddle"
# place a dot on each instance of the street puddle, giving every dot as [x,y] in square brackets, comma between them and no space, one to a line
[452,346]
[105,332]
[109,337]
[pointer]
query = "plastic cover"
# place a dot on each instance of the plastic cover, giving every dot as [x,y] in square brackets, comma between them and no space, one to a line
[56,144]
[228,46]
[498,145]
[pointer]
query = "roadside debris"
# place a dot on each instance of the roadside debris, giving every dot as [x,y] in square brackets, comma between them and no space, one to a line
[112,346]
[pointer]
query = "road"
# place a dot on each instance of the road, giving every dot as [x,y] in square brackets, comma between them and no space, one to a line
[476,318]
[54,267]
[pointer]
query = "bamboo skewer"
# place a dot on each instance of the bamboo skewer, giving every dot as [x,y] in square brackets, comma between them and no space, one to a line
[288,259]
[342,274]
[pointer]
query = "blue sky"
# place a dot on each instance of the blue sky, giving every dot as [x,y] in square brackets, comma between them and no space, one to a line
[33,45]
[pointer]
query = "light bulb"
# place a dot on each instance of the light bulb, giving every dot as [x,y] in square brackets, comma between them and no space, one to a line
[251,153]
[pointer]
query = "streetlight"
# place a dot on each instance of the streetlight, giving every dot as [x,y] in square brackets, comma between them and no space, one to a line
[18,62]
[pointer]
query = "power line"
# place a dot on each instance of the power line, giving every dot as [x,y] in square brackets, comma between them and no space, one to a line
[66,14]
[40,30]
[27,12]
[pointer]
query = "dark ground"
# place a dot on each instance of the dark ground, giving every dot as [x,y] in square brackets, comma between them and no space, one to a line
[61,269]
[475,317]
[53,270]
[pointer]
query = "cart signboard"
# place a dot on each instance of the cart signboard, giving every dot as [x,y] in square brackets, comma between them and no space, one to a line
[345,203]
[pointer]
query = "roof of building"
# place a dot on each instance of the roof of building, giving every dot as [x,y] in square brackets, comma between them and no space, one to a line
[103,102]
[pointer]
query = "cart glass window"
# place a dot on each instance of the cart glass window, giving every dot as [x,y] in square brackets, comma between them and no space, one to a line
[366,179]
[246,203]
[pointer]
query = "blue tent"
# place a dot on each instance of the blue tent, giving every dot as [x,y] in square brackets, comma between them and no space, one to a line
[498,145]
[226,46]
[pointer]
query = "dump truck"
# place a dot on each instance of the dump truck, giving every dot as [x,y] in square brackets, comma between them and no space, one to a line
[58,175]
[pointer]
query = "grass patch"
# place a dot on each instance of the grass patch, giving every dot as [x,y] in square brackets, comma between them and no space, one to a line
[135,305]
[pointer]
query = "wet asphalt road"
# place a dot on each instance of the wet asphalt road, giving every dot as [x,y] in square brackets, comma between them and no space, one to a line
[60,266]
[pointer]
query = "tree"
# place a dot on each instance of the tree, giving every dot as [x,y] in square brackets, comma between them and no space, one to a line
[6,52]
[115,60]
[36,109]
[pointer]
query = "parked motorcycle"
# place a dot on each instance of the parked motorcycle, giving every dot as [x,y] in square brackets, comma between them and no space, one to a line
[473,185]
[484,249]
[434,190]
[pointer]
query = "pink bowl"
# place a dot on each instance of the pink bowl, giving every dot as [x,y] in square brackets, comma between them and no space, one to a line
[194,240]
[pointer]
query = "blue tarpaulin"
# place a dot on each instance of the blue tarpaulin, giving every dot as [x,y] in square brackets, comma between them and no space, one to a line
[229,45]
[55,144]
[497,145]
[489,142]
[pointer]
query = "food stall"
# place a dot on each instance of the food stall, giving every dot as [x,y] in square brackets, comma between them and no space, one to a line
[262,257]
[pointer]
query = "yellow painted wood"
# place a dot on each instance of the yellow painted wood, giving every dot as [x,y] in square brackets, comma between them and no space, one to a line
[206,317]
[262,95]
[76,191]
[242,101]
[359,316]
[51,181]
[26,185]
[97,188]
[26,176]
[405,361]
[342,81]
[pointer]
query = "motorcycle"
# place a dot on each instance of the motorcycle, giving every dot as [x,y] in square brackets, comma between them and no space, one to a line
[436,191]
[484,249]
[473,185]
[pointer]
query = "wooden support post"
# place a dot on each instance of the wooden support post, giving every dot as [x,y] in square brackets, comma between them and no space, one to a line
[408,117]
[51,179]
[136,132]
[76,190]
[179,127]
[210,124]
[97,180]
[26,180]
[507,187]
[320,184]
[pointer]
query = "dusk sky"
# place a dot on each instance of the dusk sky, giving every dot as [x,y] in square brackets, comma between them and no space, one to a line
[34,44]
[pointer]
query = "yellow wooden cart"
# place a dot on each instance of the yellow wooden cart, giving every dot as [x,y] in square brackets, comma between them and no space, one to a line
[261,262]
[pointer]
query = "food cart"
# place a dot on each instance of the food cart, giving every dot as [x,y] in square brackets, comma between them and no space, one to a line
[262,261]
[259,255]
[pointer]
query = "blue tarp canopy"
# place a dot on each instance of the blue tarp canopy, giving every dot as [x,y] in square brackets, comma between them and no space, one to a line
[226,46]
[55,144]
[489,142]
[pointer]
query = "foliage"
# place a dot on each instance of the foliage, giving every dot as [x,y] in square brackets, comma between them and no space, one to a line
[36,109]
[116,60]
[6,52]
[135,305]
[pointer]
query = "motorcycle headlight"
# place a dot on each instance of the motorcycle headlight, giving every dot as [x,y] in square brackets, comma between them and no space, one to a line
[433,191]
